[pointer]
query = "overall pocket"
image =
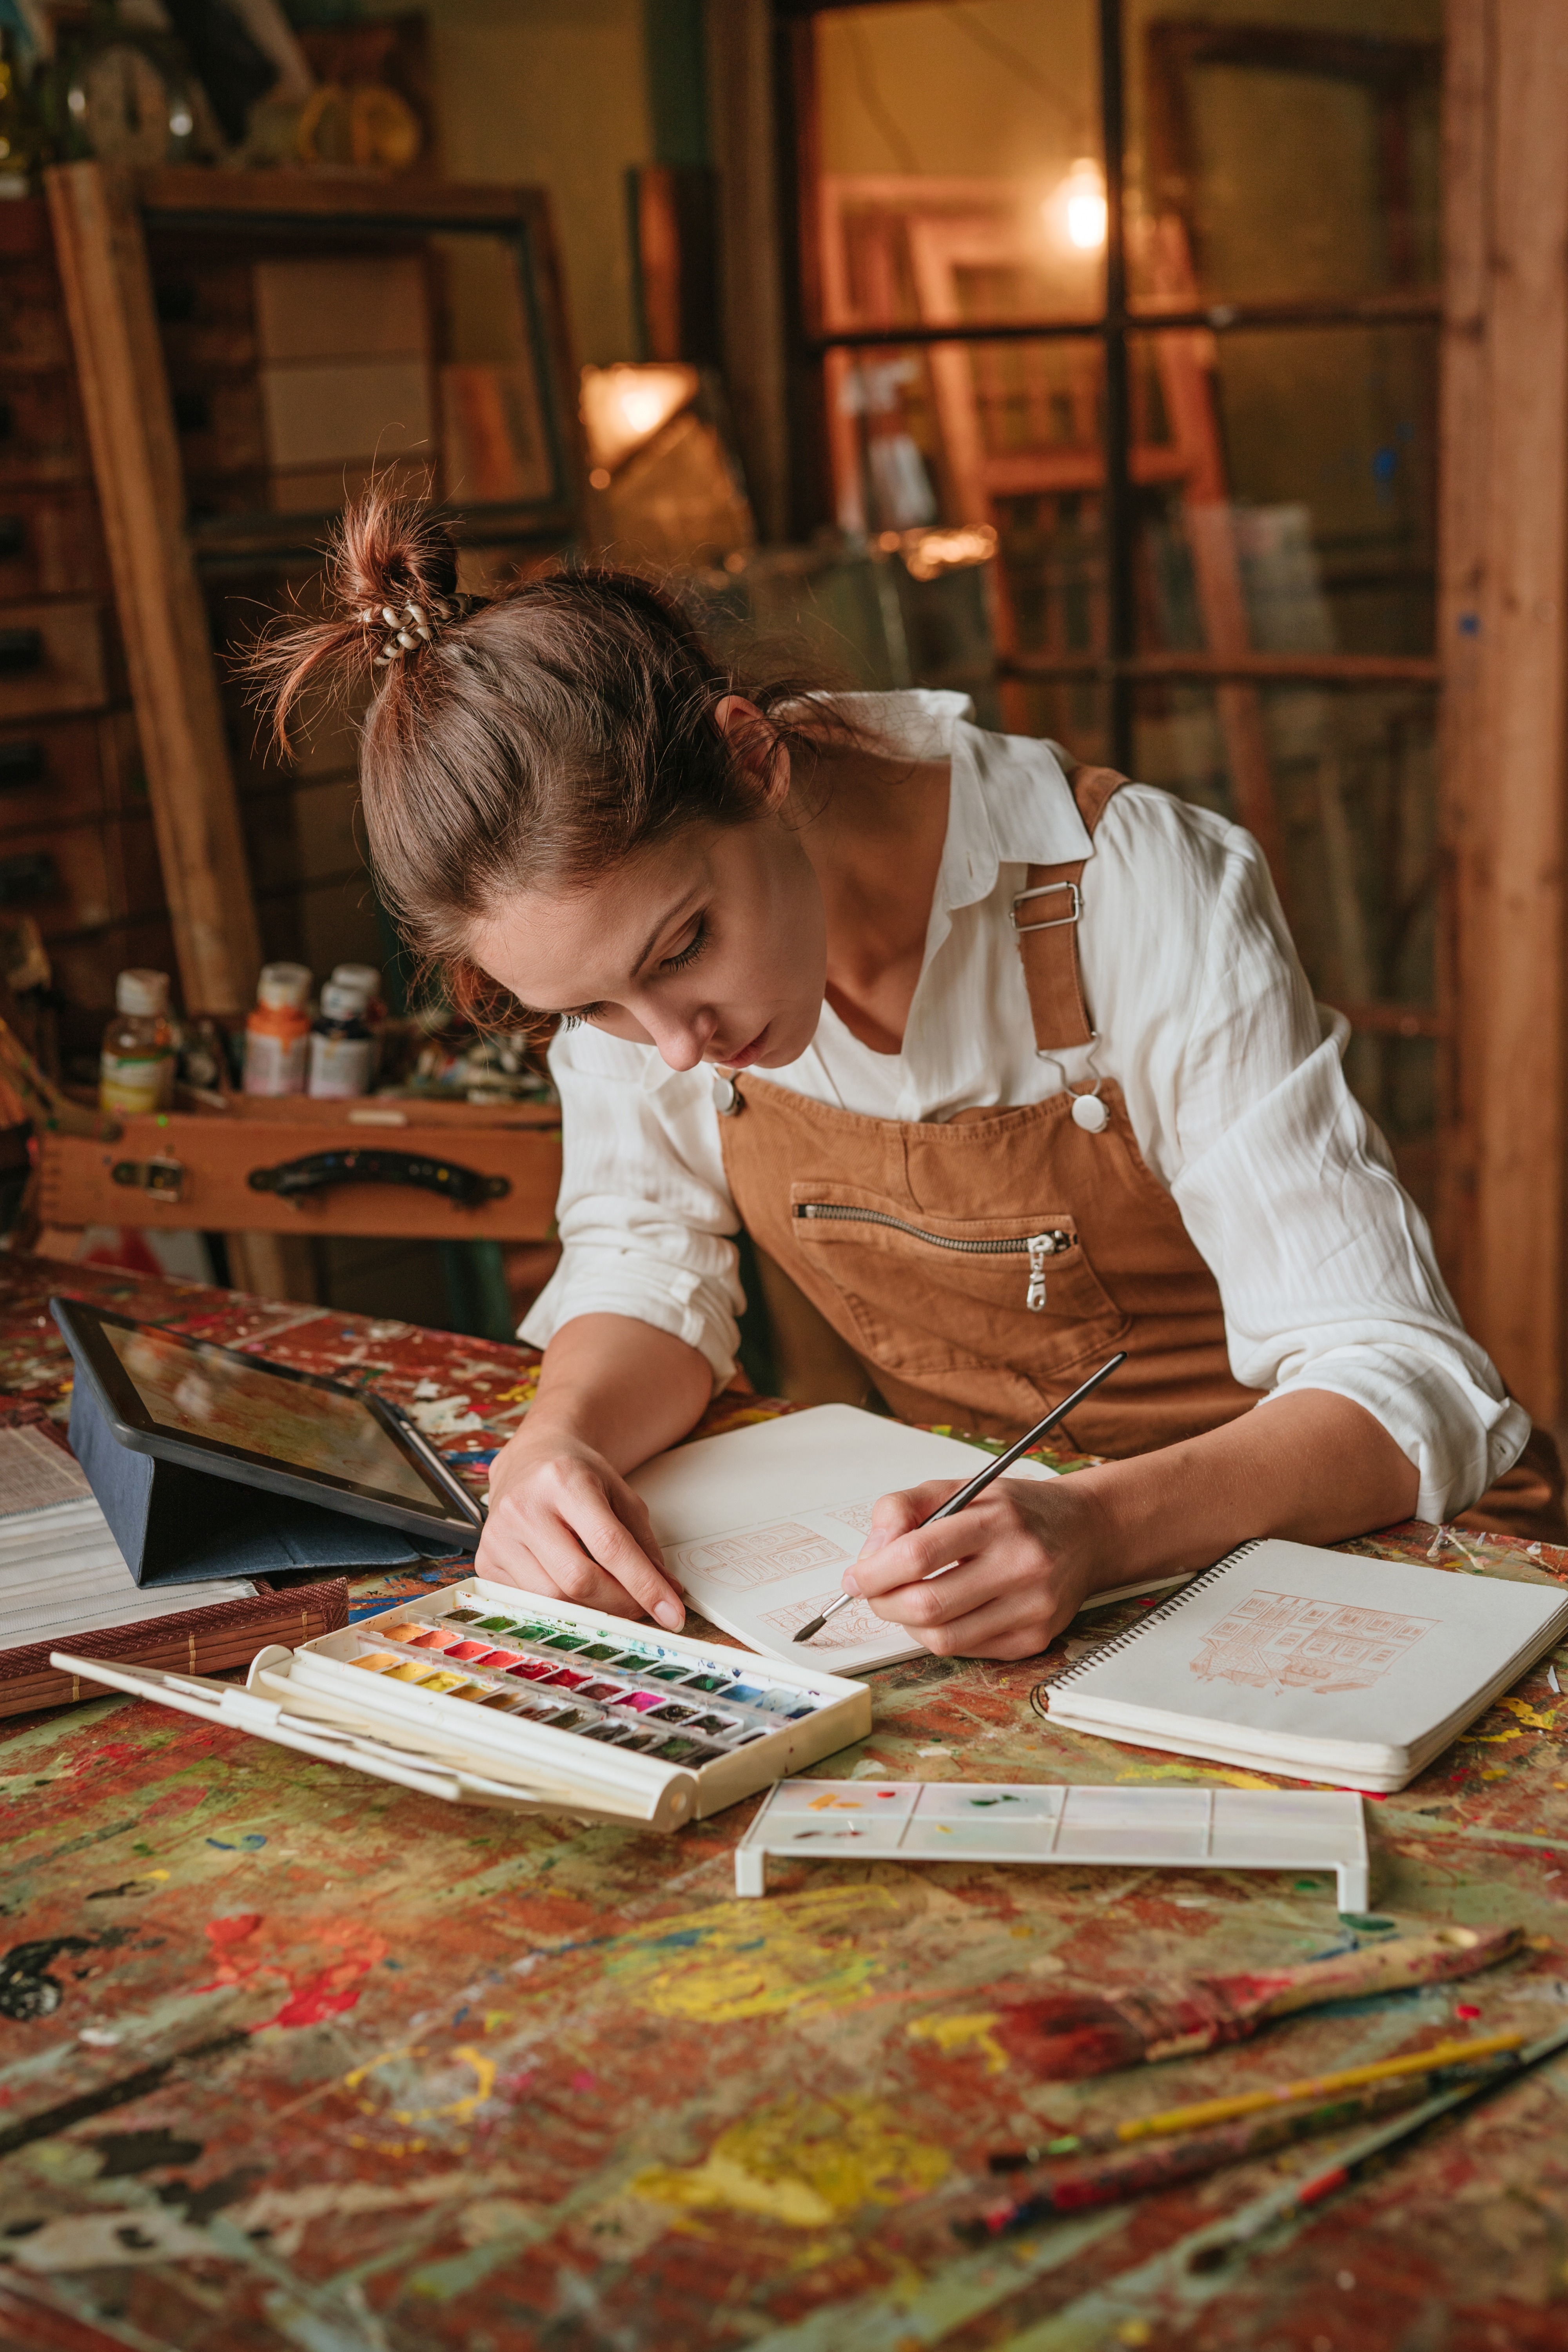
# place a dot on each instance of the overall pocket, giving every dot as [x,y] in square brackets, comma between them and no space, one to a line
[926,1294]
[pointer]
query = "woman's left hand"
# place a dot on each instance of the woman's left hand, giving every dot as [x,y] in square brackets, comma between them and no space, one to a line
[1029,1553]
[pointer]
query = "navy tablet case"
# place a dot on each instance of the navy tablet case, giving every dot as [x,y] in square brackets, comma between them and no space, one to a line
[177,1526]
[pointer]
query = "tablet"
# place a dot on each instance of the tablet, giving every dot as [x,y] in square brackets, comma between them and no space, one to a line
[291,1433]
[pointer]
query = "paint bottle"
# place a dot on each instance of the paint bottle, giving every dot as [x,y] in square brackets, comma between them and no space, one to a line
[277,1030]
[136,1066]
[366,979]
[342,1046]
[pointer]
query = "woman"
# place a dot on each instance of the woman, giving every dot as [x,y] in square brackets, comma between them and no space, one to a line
[1003,1068]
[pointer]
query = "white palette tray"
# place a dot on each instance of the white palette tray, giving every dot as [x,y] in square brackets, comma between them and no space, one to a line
[1045,1821]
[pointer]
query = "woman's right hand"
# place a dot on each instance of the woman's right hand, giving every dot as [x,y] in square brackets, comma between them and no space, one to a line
[563,1521]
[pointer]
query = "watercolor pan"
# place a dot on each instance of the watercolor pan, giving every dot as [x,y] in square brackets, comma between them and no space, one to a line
[661,1729]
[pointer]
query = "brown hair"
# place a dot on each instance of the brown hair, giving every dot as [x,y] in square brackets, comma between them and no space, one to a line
[524,741]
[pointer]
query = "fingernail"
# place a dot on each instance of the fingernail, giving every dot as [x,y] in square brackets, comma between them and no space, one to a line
[670,1615]
[873,1542]
[850,1582]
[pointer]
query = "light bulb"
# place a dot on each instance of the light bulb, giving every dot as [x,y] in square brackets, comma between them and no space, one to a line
[642,406]
[1076,208]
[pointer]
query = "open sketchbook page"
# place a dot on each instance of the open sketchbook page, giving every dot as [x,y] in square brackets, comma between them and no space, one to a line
[758,1526]
[1296,1656]
[61,1571]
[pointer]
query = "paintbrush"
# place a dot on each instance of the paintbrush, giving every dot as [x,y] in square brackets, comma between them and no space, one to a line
[1354,2159]
[978,1484]
[1202,2112]
[1135,2171]
[1066,2035]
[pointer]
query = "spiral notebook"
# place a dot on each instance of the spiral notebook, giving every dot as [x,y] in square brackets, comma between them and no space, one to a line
[1319,1665]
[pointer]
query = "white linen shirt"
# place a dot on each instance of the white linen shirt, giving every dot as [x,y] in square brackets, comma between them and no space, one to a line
[1202,1015]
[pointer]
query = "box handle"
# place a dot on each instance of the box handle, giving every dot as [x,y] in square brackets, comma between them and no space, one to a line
[318,1171]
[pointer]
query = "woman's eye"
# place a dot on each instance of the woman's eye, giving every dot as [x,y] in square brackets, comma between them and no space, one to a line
[583,1012]
[689,952]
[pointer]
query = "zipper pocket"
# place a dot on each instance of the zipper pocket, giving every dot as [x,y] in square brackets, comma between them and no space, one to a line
[1039,1246]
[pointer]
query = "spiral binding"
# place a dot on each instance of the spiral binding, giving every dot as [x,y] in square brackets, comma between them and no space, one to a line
[1166,1609]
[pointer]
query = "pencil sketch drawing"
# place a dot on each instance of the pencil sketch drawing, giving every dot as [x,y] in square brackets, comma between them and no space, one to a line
[757,1556]
[1281,1641]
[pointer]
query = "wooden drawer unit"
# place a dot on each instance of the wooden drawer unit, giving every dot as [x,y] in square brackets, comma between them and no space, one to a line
[39,439]
[49,544]
[53,657]
[51,773]
[60,877]
[444,1171]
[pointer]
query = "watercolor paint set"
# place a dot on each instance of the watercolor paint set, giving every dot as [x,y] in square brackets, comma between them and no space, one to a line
[1047,1821]
[505,1697]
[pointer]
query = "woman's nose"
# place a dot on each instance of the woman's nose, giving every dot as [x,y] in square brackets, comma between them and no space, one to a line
[681,1040]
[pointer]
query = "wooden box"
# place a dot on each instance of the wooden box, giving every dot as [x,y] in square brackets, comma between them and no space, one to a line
[425,1171]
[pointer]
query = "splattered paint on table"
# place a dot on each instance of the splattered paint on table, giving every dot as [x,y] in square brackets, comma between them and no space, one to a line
[289,2059]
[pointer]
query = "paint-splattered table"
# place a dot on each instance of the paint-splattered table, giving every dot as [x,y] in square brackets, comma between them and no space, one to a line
[290,2059]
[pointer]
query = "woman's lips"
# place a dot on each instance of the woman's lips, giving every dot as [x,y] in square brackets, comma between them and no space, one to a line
[747,1054]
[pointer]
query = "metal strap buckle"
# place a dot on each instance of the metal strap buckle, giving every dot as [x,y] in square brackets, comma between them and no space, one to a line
[1056,922]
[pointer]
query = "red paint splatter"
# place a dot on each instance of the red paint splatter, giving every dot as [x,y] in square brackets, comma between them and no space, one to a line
[227,1938]
[1466,2008]
[582,2081]
[315,1991]
[326,1994]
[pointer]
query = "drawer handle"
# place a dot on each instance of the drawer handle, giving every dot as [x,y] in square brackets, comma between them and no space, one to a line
[318,1171]
[7,420]
[12,535]
[20,649]
[22,764]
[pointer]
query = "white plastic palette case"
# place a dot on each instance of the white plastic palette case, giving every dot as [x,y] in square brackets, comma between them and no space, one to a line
[534,1704]
[1047,1821]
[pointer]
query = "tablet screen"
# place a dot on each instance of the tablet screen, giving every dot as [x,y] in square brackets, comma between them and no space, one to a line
[197,1394]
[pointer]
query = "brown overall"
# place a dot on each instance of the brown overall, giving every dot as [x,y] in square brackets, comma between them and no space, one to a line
[982,1267]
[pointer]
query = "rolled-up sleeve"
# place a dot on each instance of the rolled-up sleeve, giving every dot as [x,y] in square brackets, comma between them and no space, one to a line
[645,1215]
[1325,1265]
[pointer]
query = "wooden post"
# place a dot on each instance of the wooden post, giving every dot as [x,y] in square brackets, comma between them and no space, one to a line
[162,614]
[1505,578]
[743,136]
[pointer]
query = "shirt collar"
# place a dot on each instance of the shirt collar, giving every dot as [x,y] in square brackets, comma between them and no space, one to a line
[1010,805]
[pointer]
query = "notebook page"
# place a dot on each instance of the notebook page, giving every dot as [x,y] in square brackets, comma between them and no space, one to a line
[1287,1649]
[61,1573]
[758,1526]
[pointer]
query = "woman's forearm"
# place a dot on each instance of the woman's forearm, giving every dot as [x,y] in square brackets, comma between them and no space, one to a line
[1309,1464]
[619,1386]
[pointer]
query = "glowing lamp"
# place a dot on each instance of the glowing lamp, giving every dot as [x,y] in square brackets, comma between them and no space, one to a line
[1076,208]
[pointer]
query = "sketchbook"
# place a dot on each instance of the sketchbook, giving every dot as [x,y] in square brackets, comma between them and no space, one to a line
[758,1526]
[63,1578]
[1319,1665]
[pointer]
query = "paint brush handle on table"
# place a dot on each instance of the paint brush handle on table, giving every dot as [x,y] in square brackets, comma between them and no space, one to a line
[1270,2213]
[982,1479]
[1133,2172]
[1197,2116]
[1092,2032]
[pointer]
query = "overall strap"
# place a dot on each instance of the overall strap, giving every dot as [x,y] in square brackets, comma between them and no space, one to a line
[1046,916]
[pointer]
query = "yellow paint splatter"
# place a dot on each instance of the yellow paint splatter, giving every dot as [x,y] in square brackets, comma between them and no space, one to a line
[805,2163]
[1528,1715]
[1205,1772]
[723,1962]
[461,2109]
[951,2033]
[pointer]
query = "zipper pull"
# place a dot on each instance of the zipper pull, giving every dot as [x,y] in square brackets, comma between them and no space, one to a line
[1041,1246]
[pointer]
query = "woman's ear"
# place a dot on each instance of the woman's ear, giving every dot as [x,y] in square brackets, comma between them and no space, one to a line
[757,747]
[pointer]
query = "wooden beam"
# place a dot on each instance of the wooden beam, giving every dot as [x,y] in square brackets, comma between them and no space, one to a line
[1505,578]
[162,613]
[744,135]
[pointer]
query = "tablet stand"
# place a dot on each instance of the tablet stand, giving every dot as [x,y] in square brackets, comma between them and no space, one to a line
[177,1526]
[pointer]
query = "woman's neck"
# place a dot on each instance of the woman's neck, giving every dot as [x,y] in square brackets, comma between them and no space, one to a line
[875,846]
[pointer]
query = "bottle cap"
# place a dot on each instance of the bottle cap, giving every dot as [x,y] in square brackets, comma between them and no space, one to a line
[339,1003]
[143,995]
[364,978]
[283,986]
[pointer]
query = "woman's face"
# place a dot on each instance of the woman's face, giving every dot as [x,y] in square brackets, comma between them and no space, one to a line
[711,947]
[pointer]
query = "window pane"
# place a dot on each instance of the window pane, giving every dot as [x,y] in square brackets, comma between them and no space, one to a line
[1274,159]
[1287,489]
[949,138]
[1353,779]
